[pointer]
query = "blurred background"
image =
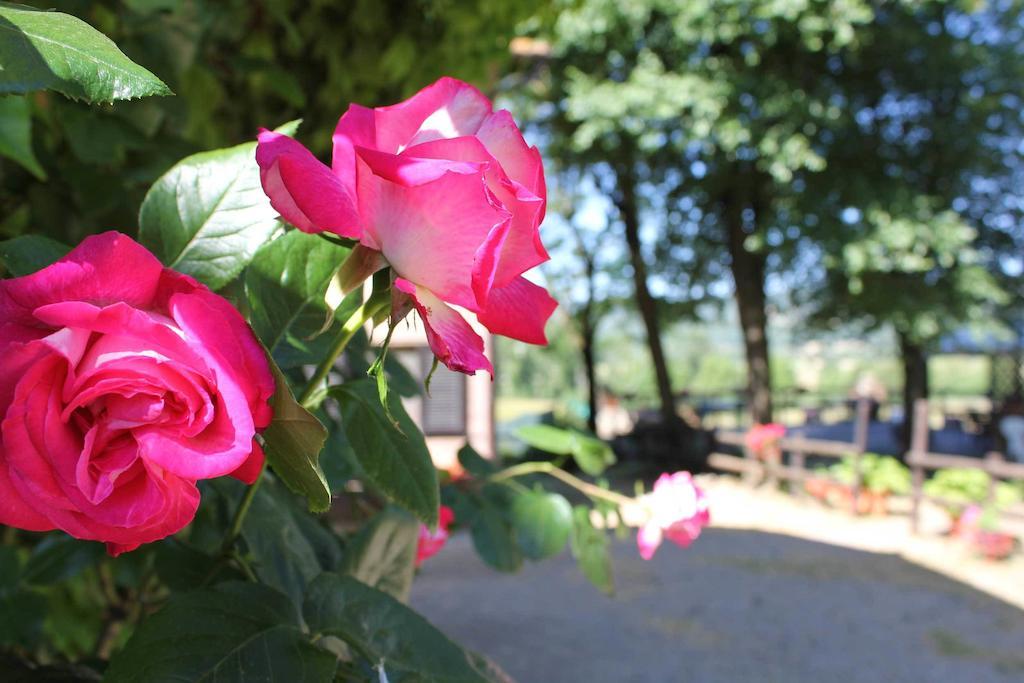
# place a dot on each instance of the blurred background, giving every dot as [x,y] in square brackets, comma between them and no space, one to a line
[793,211]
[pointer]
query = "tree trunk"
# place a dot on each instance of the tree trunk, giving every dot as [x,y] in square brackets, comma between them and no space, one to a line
[915,383]
[748,275]
[626,202]
[589,368]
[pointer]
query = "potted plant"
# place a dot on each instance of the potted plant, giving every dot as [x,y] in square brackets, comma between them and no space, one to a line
[979,528]
[881,476]
[956,489]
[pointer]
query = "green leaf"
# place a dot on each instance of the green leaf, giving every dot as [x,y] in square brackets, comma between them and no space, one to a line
[285,286]
[383,554]
[183,567]
[208,215]
[547,438]
[592,550]
[592,455]
[396,462]
[21,617]
[231,632]
[26,254]
[10,568]
[59,557]
[388,634]
[288,548]
[16,134]
[474,463]
[542,522]
[292,444]
[492,534]
[50,50]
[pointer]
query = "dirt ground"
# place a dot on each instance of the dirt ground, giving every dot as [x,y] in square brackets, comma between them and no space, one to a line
[777,590]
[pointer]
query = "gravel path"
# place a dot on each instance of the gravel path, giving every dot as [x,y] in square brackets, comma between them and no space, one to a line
[739,605]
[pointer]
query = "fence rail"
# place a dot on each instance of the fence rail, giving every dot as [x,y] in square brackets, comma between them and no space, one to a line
[919,459]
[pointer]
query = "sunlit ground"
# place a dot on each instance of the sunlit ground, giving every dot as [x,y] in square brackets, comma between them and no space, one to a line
[830,598]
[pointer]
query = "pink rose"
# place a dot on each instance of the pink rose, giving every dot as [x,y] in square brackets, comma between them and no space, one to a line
[677,510]
[122,383]
[431,542]
[446,191]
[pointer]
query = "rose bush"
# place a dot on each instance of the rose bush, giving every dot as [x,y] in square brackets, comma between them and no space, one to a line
[122,383]
[125,381]
[444,190]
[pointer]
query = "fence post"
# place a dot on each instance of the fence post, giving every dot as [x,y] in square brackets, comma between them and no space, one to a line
[860,445]
[918,449]
[991,458]
[797,462]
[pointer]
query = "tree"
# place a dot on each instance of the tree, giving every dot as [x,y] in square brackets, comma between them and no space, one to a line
[705,118]
[917,217]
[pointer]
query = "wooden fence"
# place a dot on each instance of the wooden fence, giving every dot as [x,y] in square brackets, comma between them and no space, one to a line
[798,448]
[919,460]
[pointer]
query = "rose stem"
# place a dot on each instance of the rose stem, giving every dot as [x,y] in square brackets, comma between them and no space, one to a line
[369,309]
[575,482]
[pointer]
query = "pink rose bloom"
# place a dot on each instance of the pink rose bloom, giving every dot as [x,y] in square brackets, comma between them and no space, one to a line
[443,189]
[122,383]
[764,435]
[431,542]
[678,510]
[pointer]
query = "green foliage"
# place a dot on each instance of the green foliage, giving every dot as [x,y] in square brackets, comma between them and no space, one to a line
[487,513]
[256,587]
[960,487]
[395,460]
[218,633]
[51,50]
[208,215]
[28,253]
[879,473]
[285,288]
[285,546]
[292,444]
[591,454]
[592,550]
[383,554]
[393,639]
[16,134]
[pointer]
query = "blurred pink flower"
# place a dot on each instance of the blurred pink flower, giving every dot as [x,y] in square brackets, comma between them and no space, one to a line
[764,436]
[678,510]
[447,192]
[431,542]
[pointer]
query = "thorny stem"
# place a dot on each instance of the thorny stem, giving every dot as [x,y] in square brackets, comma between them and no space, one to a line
[547,468]
[370,308]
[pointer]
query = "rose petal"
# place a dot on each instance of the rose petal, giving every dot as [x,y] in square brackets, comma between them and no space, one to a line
[14,510]
[103,268]
[450,337]
[431,233]
[249,470]
[519,310]
[446,109]
[522,163]
[648,538]
[304,191]
[519,247]
[218,333]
